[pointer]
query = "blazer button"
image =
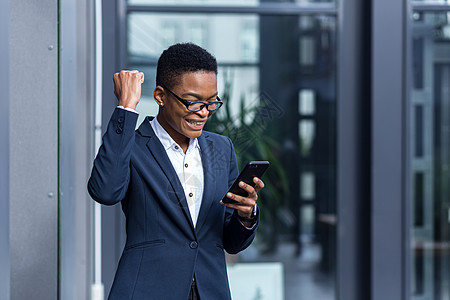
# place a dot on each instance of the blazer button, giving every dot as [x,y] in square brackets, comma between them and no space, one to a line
[120,120]
[193,245]
[119,130]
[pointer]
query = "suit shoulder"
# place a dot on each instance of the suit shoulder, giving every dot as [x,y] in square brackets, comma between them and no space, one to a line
[216,137]
[218,141]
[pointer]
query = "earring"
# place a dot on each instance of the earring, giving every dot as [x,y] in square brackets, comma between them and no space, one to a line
[162,104]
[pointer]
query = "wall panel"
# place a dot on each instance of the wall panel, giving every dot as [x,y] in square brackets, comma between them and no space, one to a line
[33,149]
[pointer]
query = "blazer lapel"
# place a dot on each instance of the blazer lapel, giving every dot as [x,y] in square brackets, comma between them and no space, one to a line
[159,153]
[208,162]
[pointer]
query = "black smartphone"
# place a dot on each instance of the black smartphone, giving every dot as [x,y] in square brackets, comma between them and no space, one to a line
[252,169]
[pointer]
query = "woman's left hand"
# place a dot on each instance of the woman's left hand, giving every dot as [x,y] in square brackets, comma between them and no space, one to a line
[245,205]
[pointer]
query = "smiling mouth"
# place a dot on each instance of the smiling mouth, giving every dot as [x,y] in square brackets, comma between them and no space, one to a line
[196,125]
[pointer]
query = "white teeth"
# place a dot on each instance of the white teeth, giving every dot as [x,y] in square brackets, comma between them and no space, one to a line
[196,123]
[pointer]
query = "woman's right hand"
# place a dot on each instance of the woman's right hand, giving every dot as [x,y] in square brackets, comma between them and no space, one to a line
[127,87]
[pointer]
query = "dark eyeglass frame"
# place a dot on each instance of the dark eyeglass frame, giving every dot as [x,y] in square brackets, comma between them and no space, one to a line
[186,103]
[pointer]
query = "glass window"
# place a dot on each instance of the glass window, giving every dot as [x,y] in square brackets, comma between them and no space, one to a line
[429,156]
[235,46]
[277,79]
[216,2]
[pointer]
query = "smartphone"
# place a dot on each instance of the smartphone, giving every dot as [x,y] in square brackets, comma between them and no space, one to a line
[252,169]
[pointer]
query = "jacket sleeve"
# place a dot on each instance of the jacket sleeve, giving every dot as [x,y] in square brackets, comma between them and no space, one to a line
[236,237]
[110,174]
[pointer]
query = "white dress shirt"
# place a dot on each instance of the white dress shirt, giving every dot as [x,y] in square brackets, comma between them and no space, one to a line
[188,167]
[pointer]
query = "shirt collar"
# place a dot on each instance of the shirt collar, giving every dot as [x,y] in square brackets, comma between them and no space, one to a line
[167,141]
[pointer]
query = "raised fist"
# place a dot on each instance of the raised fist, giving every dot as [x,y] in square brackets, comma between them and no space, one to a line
[127,87]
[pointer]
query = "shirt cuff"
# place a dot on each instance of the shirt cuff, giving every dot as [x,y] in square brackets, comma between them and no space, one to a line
[248,228]
[255,216]
[127,108]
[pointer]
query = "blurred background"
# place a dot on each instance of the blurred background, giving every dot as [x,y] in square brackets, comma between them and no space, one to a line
[349,100]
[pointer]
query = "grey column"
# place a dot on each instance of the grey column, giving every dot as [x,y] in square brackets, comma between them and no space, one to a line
[4,151]
[389,235]
[33,146]
[113,220]
[353,157]
[75,146]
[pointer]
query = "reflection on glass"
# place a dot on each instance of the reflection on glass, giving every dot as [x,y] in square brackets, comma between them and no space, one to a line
[307,133]
[217,2]
[306,103]
[232,38]
[430,157]
[276,78]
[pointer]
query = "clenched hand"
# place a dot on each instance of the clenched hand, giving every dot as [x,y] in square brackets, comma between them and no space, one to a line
[127,87]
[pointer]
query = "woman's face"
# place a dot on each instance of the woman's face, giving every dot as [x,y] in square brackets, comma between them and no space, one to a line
[180,123]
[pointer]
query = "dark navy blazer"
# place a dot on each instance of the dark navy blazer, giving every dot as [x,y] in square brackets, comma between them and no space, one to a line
[163,250]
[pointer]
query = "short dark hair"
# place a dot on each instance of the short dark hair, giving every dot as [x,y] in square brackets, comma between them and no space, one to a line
[182,58]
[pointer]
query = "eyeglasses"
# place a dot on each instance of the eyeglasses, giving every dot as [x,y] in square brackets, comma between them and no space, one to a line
[195,106]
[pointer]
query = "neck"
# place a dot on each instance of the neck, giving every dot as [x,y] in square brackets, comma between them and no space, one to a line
[180,139]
